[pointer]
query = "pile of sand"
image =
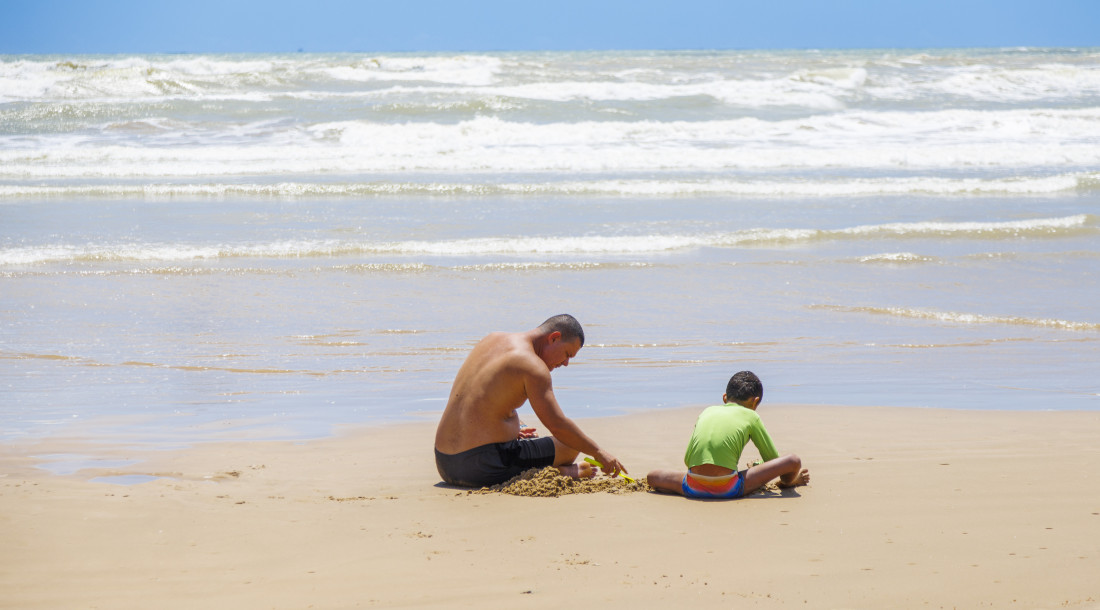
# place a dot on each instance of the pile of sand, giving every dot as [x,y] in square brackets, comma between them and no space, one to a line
[549,483]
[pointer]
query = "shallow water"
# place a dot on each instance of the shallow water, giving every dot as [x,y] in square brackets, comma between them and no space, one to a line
[189,250]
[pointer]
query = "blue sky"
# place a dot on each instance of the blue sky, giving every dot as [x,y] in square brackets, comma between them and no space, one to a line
[205,26]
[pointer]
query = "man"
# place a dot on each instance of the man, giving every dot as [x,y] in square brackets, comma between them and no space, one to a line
[480,441]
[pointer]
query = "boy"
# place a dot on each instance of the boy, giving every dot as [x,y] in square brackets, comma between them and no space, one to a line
[721,432]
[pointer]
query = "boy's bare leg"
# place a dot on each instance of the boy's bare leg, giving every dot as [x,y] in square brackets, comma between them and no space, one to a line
[669,481]
[788,468]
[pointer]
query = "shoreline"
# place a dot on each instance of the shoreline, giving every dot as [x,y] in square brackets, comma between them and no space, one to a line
[122,438]
[907,508]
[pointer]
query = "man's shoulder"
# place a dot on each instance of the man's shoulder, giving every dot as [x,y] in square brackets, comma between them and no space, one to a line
[514,352]
[496,340]
[504,345]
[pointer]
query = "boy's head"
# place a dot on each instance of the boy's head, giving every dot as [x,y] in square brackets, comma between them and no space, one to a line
[743,388]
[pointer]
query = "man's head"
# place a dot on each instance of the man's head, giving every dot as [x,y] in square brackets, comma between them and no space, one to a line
[559,340]
[744,388]
[565,324]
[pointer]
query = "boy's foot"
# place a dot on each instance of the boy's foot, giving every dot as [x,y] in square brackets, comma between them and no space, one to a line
[802,479]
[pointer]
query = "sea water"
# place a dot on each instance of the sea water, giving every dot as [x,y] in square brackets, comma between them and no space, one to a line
[200,247]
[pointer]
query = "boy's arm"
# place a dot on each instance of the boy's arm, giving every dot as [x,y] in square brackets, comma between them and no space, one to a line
[763,441]
[788,468]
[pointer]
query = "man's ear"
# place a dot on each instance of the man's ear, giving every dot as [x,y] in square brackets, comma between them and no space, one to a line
[554,336]
[724,399]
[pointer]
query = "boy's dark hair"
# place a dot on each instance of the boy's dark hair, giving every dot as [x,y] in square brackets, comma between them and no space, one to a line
[565,324]
[743,386]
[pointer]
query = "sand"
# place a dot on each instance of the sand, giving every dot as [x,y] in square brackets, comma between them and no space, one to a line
[908,508]
[550,483]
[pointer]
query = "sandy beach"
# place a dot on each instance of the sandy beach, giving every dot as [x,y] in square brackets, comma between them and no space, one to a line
[908,508]
[236,289]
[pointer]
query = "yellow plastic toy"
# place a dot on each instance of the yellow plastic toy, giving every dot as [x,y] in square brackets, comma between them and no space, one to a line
[599,465]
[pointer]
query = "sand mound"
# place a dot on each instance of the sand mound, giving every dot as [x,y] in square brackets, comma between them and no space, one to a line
[549,483]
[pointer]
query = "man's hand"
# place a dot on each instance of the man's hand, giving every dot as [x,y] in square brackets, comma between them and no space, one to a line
[609,464]
[525,432]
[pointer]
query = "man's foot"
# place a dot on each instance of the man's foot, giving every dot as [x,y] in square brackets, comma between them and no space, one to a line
[802,479]
[583,470]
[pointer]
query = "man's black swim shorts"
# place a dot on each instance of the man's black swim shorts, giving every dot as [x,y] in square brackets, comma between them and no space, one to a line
[494,463]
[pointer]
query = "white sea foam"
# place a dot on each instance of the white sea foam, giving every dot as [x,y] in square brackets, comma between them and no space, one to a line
[897,257]
[161,253]
[469,70]
[897,141]
[972,229]
[597,245]
[732,78]
[853,187]
[749,94]
[952,317]
[999,84]
[133,79]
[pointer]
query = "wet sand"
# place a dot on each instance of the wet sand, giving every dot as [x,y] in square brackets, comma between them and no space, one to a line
[908,508]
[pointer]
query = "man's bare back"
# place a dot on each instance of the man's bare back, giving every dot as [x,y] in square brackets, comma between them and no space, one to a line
[488,389]
[503,371]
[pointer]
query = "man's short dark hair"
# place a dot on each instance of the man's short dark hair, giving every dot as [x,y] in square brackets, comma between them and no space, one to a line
[565,324]
[743,386]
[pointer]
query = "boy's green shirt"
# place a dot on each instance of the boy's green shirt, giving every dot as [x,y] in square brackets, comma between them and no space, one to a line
[721,433]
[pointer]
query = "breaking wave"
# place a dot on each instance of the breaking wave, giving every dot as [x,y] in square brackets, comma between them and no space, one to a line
[966,318]
[534,245]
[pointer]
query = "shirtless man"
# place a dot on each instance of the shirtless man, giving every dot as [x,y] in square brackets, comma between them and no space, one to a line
[480,441]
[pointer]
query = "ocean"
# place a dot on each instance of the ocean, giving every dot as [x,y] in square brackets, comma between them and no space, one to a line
[222,247]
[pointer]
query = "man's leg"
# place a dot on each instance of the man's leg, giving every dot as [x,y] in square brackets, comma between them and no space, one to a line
[788,468]
[564,458]
[669,481]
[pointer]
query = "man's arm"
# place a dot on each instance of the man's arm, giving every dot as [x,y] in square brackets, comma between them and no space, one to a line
[540,393]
